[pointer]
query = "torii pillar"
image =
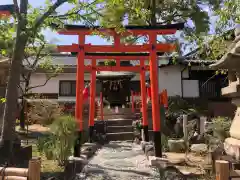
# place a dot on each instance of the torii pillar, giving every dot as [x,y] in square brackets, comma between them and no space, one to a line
[79,94]
[154,95]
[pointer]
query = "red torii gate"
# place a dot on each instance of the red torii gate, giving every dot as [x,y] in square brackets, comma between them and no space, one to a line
[6,10]
[123,52]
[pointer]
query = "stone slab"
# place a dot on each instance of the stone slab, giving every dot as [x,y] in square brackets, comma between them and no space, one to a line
[199,148]
[234,130]
[165,163]
[175,158]
[177,145]
[74,165]
[232,147]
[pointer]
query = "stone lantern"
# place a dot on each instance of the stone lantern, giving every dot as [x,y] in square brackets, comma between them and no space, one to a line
[231,62]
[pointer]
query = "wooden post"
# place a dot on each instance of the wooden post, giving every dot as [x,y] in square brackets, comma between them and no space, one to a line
[79,94]
[203,120]
[222,170]
[117,43]
[154,95]
[92,100]
[185,131]
[144,102]
[101,105]
[34,169]
[132,99]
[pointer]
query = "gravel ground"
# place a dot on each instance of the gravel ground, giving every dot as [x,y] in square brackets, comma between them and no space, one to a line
[119,161]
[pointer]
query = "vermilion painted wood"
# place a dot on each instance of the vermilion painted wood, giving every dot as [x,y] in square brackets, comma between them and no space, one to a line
[152,47]
[120,48]
[114,57]
[132,99]
[92,94]
[83,32]
[115,68]
[5,13]
[165,98]
[143,95]
[117,43]
[101,105]
[80,84]
[154,85]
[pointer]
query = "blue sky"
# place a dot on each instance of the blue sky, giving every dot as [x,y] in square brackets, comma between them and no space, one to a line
[53,36]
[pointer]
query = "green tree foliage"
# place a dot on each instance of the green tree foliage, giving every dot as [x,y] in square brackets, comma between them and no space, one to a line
[139,12]
[37,54]
[28,24]
[213,46]
[7,32]
[160,12]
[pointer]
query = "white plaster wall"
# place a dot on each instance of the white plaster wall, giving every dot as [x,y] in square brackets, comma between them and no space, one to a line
[170,78]
[52,85]
[190,88]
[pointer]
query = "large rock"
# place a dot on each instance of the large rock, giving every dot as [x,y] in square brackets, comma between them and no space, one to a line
[234,130]
[232,147]
[199,148]
[176,145]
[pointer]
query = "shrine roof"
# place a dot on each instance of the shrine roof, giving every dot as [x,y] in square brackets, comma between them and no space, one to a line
[69,60]
[7,7]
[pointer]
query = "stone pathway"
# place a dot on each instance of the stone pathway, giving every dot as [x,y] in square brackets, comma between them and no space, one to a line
[119,161]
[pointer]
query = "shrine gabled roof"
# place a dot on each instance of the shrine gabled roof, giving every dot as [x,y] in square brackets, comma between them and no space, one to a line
[7,7]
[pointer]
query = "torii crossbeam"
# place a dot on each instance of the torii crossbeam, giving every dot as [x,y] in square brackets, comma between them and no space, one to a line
[118,52]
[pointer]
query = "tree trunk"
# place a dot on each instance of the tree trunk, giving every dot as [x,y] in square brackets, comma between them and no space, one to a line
[22,114]
[9,117]
[23,108]
[153,13]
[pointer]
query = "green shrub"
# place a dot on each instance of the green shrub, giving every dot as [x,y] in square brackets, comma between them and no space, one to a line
[59,143]
[164,140]
[219,127]
[221,123]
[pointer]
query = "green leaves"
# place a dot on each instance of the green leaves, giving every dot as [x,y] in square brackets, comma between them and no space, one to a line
[200,19]
[58,145]
[110,63]
[2,100]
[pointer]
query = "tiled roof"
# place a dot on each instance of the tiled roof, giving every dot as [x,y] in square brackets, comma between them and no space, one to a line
[70,60]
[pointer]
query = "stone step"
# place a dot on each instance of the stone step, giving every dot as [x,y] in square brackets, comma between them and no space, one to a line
[119,122]
[117,129]
[120,136]
[117,116]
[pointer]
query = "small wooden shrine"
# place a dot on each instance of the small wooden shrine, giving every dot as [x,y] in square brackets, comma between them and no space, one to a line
[115,86]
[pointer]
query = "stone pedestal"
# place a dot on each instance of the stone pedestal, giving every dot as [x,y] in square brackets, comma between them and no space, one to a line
[232,144]
[231,61]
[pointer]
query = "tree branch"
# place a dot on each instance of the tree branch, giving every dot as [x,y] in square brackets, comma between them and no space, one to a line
[65,15]
[38,56]
[51,9]
[32,87]
[17,9]
[20,87]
